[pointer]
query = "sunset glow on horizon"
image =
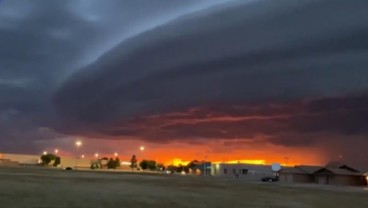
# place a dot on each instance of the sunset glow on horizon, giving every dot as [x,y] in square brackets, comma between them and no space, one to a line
[176,153]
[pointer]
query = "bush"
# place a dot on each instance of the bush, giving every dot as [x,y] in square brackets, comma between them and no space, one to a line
[46,159]
[57,162]
[113,164]
[148,164]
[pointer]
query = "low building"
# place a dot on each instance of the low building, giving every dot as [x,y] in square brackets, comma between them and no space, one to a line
[29,160]
[331,175]
[20,159]
[201,169]
[339,176]
[340,165]
[242,171]
[75,163]
[298,174]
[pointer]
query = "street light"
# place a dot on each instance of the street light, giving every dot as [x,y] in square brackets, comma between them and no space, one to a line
[44,153]
[115,154]
[96,155]
[82,156]
[78,143]
[142,149]
[56,151]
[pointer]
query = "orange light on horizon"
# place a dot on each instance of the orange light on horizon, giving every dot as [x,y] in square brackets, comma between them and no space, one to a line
[177,162]
[253,162]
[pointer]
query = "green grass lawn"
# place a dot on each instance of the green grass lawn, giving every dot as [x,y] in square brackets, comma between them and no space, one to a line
[41,187]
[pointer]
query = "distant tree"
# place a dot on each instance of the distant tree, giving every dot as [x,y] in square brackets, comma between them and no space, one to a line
[148,164]
[111,164]
[57,161]
[172,168]
[46,159]
[160,166]
[180,168]
[117,162]
[143,164]
[151,165]
[186,169]
[133,162]
[192,164]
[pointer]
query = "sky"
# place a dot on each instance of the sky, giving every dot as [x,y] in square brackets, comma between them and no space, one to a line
[221,80]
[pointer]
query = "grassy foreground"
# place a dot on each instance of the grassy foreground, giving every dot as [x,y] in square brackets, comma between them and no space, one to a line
[39,187]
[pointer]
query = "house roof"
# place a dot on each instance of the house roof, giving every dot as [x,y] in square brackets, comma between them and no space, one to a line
[340,165]
[292,170]
[308,169]
[338,171]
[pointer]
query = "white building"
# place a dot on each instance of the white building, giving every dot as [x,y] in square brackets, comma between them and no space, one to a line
[242,171]
[19,159]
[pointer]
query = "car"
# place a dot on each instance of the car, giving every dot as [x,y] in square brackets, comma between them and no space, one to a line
[169,171]
[269,179]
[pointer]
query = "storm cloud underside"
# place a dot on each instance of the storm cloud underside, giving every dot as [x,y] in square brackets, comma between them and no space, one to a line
[287,73]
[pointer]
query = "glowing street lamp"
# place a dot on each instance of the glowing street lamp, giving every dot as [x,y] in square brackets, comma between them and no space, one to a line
[56,151]
[78,143]
[82,156]
[142,150]
[44,153]
[96,155]
[116,154]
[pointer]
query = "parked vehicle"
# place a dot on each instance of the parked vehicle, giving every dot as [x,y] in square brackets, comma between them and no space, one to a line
[269,179]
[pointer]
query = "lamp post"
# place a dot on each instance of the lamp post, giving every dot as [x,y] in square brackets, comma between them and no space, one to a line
[78,144]
[142,149]
[204,166]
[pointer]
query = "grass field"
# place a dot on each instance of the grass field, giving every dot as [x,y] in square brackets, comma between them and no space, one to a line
[39,187]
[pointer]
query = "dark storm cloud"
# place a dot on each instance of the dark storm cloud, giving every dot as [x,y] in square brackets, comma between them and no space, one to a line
[238,53]
[43,42]
[290,71]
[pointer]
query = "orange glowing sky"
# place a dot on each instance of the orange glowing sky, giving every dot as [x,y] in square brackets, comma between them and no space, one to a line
[181,153]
